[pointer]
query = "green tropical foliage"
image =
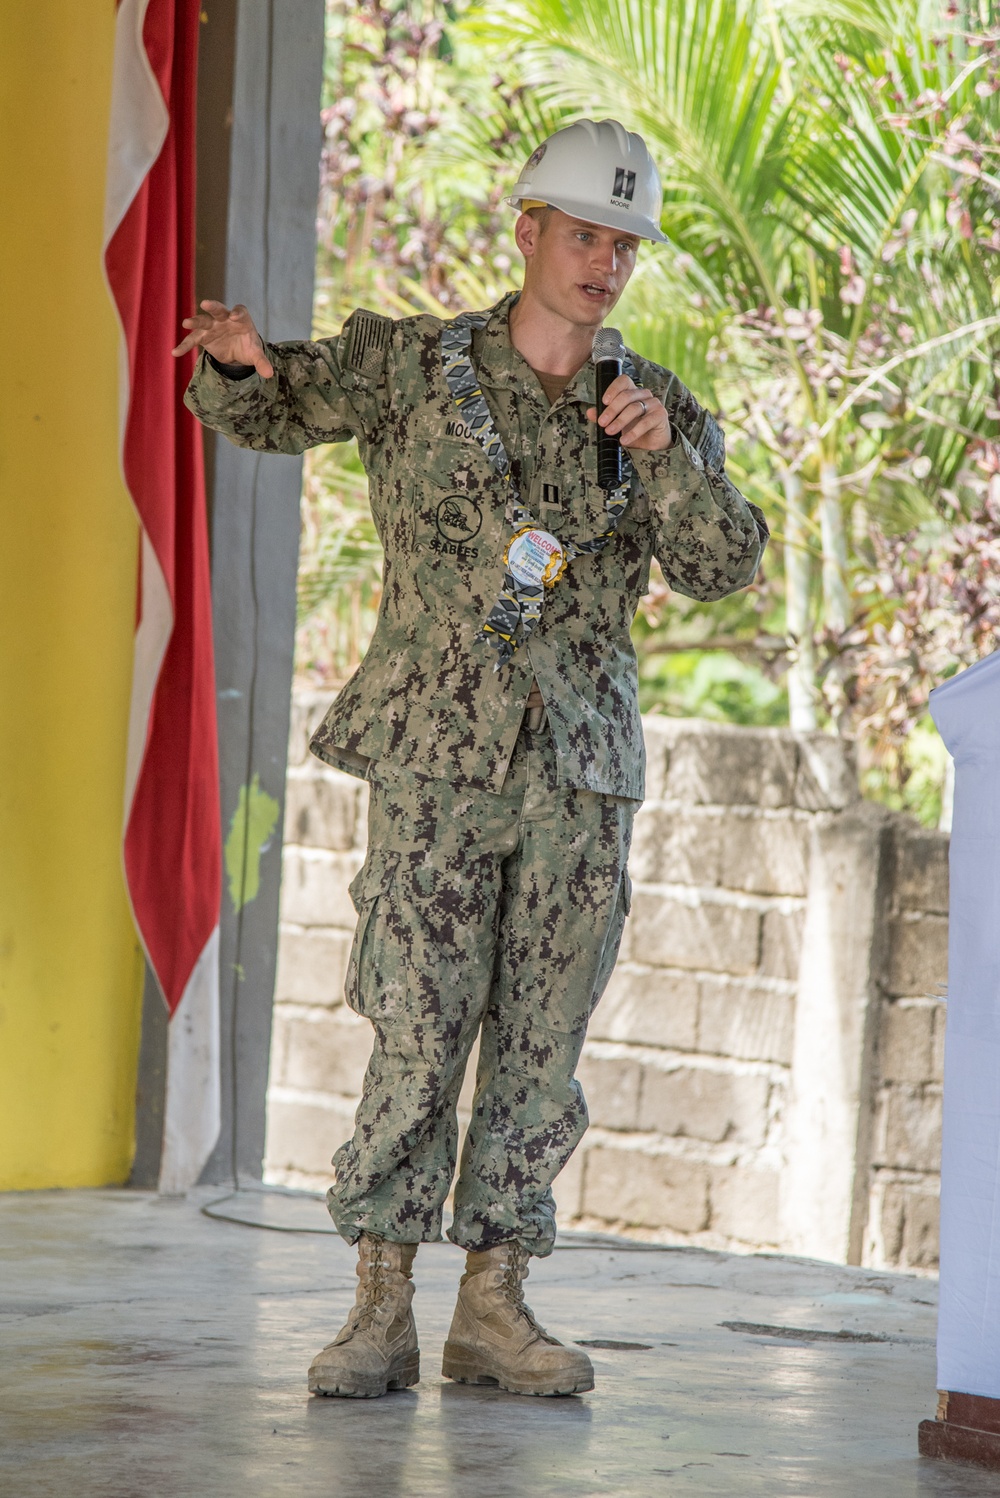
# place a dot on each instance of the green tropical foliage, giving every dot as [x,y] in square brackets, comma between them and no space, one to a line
[831,187]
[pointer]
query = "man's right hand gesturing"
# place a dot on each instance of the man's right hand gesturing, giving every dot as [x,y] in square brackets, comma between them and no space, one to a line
[229,336]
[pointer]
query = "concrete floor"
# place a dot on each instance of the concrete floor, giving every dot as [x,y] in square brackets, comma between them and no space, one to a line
[146,1349]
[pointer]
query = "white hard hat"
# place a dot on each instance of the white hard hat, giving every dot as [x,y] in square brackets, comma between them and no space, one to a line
[597,171]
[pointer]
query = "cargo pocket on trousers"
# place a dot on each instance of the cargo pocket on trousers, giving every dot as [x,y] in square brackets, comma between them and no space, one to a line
[369,890]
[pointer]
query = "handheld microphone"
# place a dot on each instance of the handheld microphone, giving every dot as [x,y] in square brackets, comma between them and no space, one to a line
[609,350]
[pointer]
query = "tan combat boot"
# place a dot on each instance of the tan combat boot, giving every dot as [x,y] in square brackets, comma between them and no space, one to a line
[376,1350]
[494,1338]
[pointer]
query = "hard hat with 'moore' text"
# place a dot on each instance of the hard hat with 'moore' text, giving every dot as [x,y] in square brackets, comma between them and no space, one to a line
[598,171]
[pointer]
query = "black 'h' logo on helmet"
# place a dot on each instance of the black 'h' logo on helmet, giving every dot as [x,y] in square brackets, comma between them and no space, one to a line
[624,184]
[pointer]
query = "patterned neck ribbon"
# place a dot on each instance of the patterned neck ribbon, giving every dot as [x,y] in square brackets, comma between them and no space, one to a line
[519,606]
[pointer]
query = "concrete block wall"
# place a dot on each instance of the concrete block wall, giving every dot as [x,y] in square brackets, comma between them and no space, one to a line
[904,1185]
[319,1047]
[688,1068]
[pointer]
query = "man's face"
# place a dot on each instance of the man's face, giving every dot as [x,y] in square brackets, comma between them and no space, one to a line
[575,269]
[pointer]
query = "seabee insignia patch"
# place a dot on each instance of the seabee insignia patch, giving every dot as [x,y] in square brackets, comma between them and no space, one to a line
[459,518]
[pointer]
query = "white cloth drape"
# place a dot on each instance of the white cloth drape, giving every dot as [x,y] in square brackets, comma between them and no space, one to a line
[966,710]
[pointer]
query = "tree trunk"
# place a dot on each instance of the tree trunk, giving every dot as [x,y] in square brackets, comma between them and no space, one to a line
[836,598]
[798,569]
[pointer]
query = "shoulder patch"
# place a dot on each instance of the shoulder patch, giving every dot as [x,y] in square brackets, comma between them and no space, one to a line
[370,333]
[699,427]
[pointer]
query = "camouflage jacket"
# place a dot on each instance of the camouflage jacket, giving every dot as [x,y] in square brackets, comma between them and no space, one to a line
[426,694]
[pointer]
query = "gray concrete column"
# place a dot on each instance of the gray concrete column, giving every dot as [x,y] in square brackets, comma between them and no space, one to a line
[273,190]
[824,1184]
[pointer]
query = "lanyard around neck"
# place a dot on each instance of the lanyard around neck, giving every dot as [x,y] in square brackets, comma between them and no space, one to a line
[519,606]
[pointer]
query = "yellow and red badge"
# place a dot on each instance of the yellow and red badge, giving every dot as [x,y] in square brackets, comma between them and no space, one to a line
[535,558]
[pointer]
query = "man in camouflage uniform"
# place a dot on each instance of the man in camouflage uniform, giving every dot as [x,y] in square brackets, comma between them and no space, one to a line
[496,718]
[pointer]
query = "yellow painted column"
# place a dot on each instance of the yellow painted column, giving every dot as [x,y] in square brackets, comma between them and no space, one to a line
[70,968]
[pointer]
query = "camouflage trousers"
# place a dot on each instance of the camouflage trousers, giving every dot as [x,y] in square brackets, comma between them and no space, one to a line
[477,912]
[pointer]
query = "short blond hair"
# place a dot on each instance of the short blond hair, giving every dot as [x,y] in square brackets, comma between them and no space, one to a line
[540,212]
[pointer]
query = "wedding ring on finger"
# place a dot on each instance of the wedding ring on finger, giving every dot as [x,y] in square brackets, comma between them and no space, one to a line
[643,405]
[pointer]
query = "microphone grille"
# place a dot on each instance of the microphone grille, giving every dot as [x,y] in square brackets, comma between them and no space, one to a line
[608,344]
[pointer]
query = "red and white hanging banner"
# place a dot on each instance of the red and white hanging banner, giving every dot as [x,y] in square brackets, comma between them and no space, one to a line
[172,836]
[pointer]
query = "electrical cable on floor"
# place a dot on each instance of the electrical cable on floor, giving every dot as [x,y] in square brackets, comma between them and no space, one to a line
[594,1241]
[248,1222]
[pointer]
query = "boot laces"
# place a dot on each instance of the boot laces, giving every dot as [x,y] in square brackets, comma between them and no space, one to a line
[374,1287]
[512,1283]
